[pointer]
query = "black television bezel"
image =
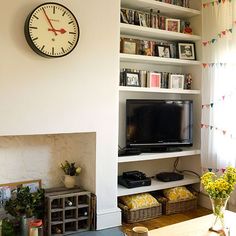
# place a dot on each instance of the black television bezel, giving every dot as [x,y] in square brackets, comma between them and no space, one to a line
[162,146]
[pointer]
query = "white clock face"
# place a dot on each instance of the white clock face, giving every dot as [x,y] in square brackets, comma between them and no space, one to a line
[52,30]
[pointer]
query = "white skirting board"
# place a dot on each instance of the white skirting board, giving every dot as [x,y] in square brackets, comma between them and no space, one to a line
[108,218]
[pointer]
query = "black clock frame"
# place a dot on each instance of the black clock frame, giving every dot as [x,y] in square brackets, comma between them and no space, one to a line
[30,41]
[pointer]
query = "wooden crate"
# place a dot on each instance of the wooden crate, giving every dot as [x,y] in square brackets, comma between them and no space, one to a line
[67,211]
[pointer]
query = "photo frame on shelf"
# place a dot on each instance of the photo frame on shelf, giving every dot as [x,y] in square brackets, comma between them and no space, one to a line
[173,25]
[176,81]
[132,79]
[154,80]
[142,19]
[123,16]
[129,46]
[186,51]
[163,51]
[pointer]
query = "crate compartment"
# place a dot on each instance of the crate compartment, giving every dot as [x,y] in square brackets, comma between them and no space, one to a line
[57,229]
[83,224]
[70,214]
[83,199]
[70,226]
[57,216]
[70,201]
[57,203]
[84,211]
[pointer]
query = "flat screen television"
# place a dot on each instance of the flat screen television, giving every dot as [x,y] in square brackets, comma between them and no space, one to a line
[153,125]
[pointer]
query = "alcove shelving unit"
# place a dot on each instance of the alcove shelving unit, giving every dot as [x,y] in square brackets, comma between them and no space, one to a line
[152,163]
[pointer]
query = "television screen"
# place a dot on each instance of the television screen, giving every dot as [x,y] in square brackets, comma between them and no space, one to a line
[158,123]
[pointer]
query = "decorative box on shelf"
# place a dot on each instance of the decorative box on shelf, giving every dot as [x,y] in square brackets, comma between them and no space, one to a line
[67,211]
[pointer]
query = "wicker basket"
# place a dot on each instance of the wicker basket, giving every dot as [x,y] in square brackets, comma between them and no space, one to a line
[136,215]
[169,207]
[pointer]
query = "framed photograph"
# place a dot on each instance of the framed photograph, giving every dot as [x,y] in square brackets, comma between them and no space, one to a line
[186,51]
[6,190]
[123,16]
[142,19]
[154,80]
[173,25]
[163,51]
[128,46]
[176,81]
[132,79]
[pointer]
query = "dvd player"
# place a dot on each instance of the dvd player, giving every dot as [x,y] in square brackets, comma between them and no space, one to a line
[169,176]
[132,183]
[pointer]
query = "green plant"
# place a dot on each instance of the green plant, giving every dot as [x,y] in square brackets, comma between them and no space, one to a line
[23,202]
[70,168]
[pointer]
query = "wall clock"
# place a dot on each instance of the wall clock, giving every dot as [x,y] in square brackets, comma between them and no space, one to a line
[52,30]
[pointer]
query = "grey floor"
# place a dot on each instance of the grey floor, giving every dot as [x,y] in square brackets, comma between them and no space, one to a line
[107,232]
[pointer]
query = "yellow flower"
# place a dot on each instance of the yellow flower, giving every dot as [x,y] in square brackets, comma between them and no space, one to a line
[222,186]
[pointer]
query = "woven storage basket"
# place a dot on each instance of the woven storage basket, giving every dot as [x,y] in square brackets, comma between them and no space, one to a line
[136,215]
[169,207]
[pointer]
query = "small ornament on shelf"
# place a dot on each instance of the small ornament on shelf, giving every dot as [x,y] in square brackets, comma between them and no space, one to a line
[187,28]
[188,81]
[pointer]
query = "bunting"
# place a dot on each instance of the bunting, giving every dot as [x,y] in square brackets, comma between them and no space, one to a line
[222,131]
[215,170]
[221,34]
[207,65]
[215,3]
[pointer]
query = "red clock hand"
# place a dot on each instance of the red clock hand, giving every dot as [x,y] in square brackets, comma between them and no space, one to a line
[62,31]
[50,23]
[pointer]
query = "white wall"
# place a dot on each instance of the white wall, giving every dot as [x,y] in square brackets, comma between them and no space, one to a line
[76,93]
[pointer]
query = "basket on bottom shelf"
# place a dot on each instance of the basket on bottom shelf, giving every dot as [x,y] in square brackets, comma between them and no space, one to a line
[136,215]
[172,207]
[178,199]
[139,207]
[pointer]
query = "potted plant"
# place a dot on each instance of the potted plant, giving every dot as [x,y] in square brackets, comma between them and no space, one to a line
[70,171]
[24,205]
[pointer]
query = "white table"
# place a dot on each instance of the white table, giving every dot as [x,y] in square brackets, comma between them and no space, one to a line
[196,227]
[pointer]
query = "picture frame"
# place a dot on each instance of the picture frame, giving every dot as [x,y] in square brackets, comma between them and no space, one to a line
[142,19]
[7,189]
[176,81]
[186,51]
[163,51]
[154,80]
[123,16]
[129,46]
[132,79]
[173,25]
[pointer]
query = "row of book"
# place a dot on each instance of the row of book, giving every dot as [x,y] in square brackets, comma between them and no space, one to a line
[151,19]
[182,3]
[154,79]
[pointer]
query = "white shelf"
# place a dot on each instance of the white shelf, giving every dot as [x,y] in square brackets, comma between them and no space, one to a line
[157,156]
[157,185]
[164,8]
[151,33]
[157,90]
[157,60]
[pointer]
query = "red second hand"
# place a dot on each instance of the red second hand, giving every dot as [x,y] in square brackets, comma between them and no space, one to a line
[50,23]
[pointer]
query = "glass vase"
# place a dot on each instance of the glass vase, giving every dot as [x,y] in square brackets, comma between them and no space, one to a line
[218,208]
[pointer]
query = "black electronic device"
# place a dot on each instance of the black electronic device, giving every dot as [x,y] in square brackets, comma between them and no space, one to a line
[153,125]
[129,152]
[169,176]
[133,179]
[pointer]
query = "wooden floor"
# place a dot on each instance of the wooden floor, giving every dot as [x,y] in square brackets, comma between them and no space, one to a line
[167,220]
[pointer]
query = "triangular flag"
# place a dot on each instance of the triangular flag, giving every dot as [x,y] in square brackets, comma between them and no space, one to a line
[223,170]
[204,65]
[230,30]
[212,104]
[210,169]
[223,32]
[224,132]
